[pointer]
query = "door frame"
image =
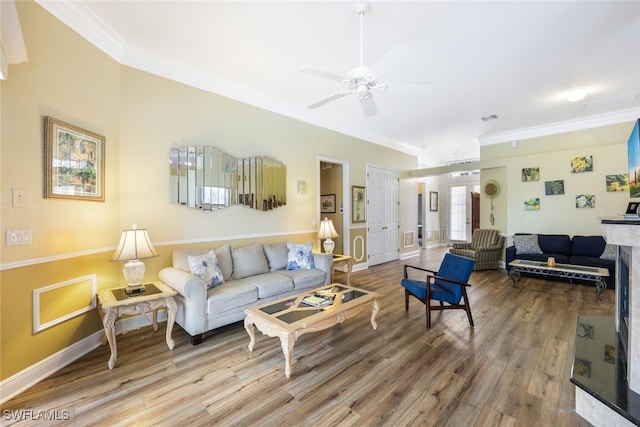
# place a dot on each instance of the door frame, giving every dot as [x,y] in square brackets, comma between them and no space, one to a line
[346,206]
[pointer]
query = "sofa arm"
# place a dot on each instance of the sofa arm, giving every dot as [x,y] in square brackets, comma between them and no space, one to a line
[323,262]
[193,316]
[509,255]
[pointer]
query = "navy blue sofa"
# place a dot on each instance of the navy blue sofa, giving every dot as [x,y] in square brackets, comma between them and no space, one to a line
[578,250]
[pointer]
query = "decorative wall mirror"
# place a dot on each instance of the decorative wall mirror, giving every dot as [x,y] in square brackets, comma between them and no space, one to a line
[206,178]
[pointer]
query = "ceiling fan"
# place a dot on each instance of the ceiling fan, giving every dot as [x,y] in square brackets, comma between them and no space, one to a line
[362,80]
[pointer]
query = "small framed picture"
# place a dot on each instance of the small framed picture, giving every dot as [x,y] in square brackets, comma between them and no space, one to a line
[73,162]
[582,164]
[328,203]
[433,201]
[530,174]
[358,204]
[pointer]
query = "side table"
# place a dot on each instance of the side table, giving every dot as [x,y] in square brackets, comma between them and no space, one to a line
[115,302]
[342,262]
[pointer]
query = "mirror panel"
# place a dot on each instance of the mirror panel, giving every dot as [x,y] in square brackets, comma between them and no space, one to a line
[206,178]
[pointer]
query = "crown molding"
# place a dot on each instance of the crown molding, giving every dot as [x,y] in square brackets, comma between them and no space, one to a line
[12,47]
[83,21]
[605,119]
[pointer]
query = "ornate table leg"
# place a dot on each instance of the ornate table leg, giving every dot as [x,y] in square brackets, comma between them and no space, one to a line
[154,319]
[172,307]
[349,267]
[601,285]
[287,341]
[515,277]
[375,307]
[248,325]
[109,323]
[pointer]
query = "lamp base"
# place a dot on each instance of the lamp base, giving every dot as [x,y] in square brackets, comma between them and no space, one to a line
[328,246]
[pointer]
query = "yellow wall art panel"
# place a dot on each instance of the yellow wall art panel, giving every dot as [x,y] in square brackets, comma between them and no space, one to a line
[56,303]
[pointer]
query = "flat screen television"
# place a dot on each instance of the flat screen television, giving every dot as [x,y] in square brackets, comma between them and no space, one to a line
[634,161]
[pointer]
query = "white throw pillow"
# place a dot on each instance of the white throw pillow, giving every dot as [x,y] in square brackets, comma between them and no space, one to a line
[207,268]
[299,256]
[527,244]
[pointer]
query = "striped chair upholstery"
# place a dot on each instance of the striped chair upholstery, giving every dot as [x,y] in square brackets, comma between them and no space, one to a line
[485,248]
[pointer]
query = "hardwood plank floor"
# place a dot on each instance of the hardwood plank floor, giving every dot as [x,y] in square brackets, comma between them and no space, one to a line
[512,369]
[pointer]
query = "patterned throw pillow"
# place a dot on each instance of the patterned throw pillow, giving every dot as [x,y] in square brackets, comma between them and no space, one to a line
[610,252]
[207,268]
[299,256]
[527,244]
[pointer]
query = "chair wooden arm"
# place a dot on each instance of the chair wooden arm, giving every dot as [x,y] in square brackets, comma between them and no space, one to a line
[432,279]
[406,266]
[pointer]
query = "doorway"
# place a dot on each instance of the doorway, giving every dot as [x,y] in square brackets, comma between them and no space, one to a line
[333,179]
[464,214]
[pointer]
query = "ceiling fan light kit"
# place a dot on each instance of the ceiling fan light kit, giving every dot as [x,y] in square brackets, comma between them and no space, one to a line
[362,79]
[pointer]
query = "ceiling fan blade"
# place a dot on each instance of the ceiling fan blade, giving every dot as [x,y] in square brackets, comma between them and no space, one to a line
[410,87]
[328,99]
[368,105]
[389,60]
[322,73]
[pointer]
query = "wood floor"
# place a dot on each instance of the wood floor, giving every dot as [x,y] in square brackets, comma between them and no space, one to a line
[512,369]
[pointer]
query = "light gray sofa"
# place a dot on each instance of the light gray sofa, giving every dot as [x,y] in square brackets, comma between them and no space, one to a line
[253,275]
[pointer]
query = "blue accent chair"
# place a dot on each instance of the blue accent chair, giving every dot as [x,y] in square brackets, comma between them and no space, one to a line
[447,285]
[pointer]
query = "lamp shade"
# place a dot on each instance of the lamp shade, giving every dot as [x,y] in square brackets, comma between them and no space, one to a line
[134,244]
[327,230]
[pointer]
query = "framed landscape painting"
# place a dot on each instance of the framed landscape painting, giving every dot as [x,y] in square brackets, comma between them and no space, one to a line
[73,162]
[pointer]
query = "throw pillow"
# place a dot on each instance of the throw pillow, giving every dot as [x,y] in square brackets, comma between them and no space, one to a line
[207,268]
[610,252]
[299,256]
[249,261]
[526,244]
[277,256]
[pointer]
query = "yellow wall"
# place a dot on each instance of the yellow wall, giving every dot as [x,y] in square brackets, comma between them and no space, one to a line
[142,116]
[557,214]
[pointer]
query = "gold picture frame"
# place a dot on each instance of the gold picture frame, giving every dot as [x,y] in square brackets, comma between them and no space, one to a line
[358,204]
[73,162]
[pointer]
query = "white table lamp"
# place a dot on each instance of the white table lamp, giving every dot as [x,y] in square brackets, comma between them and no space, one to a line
[134,245]
[327,231]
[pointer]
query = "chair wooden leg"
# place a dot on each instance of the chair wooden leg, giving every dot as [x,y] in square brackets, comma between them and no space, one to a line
[428,308]
[467,308]
[406,300]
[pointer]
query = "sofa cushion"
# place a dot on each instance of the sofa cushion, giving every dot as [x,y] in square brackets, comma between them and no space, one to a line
[526,244]
[223,253]
[230,295]
[555,244]
[276,256]
[306,278]
[299,256]
[588,246]
[206,267]
[249,261]
[270,284]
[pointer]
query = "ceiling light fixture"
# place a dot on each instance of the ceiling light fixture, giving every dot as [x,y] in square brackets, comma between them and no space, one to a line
[487,118]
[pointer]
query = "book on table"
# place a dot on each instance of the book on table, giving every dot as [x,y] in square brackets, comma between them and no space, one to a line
[317,301]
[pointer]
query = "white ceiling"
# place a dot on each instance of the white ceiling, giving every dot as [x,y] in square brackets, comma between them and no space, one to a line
[514,59]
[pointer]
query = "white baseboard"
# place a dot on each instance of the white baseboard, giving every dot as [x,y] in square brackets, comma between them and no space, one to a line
[32,375]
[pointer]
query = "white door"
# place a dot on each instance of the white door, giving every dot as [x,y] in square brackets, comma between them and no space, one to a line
[382,215]
[460,212]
